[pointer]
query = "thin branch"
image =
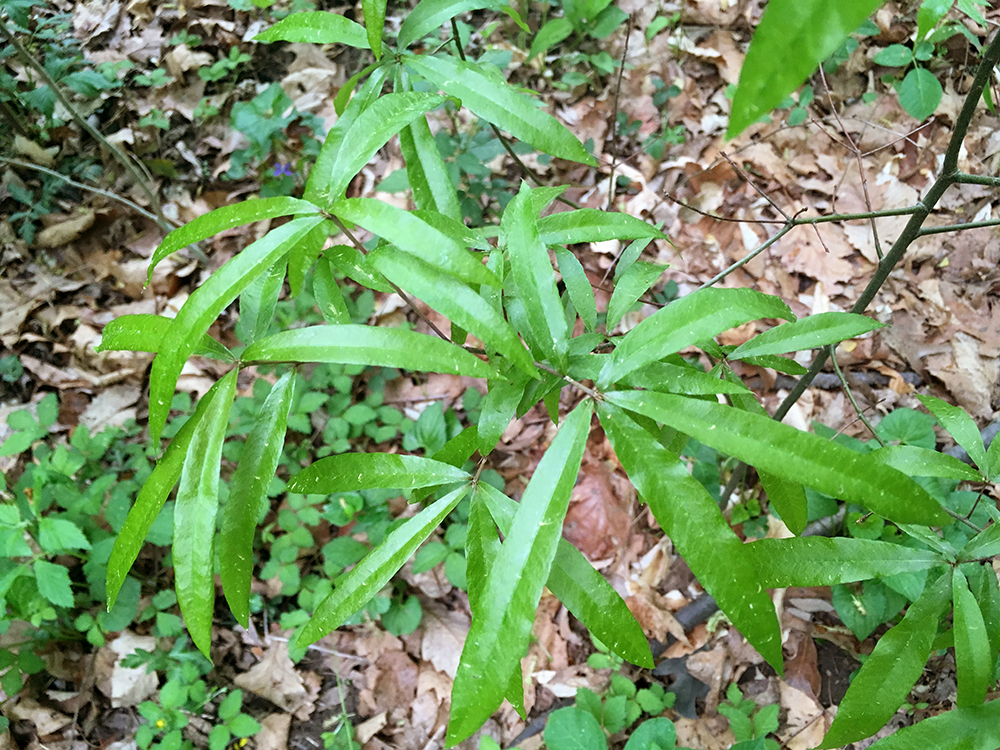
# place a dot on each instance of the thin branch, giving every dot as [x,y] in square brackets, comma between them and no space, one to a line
[959,227]
[850,395]
[595,395]
[965,178]
[753,185]
[614,120]
[87,127]
[403,295]
[747,258]
[947,176]
[98,191]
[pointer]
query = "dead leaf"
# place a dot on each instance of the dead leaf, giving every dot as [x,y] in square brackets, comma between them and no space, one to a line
[273,734]
[45,157]
[443,639]
[275,678]
[113,407]
[46,720]
[66,231]
[125,686]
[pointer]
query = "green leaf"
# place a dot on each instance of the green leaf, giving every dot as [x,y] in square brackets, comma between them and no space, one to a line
[196,506]
[248,491]
[497,409]
[151,497]
[377,568]
[593,225]
[581,294]
[823,329]
[225,218]
[429,15]
[983,545]
[316,27]
[303,254]
[486,94]
[513,587]
[257,303]
[653,734]
[792,39]
[584,591]
[231,706]
[969,8]
[322,173]
[535,279]
[931,11]
[818,561]
[790,453]
[553,32]
[919,93]
[890,672]
[572,728]
[632,284]
[672,378]
[53,582]
[372,129]
[355,266]
[961,427]
[59,534]
[425,168]
[455,301]
[977,727]
[696,317]
[921,462]
[368,345]
[205,305]
[374,11]
[145,333]
[692,520]
[329,297]
[415,236]
[894,56]
[973,659]
[482,545]
[349,472]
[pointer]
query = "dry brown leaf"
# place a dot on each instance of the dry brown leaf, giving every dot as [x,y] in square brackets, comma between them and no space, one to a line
[66,231]
[125,686]
[273,734]
[443,639]
[275,678]
[46,720]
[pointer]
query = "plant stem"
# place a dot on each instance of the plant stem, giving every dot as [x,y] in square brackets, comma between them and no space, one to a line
[134,173]
[850,395]
[949,175]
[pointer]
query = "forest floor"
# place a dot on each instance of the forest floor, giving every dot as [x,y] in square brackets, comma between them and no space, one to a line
[67,270]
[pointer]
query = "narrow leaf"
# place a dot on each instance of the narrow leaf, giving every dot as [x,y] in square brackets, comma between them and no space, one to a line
[973,659]
[535,278]
[594,225]
[426,170]
[415,236]
[225,218]
[672,378]
[823,329]
[482,545]
[790,453]
[498,640]
[485,93]
[322,173]
[151,498]
[691,518]
[145,333]
[374,11]
[377,568]
[372,129]
[248,491]
[316,27]
[497,410]
[257,303]
[978,727]
[329,297]
[921,462]
[205,305]
[584,591]
[197,503]
[818,561]
[791,40]
[687,321]
[429,15]
[578,287]
[303,254]
[455,301]
[984,545]
[960,426]
[553,32]
[349,472]
[355,266]
[368,345]
[632,284]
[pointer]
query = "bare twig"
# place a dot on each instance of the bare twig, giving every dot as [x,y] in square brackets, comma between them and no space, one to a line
[614,120]
[742,173]
[850,395]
